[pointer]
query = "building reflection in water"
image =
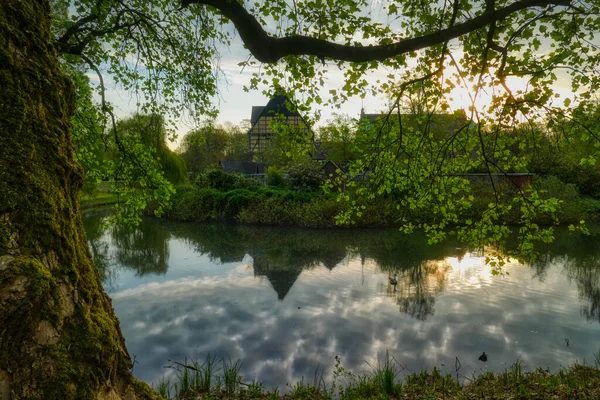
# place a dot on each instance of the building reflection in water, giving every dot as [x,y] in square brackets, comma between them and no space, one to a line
[287,300]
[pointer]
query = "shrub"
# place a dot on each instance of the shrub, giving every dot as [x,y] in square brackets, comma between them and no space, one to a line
[277,206]
[320,212]
[268,211]
[305,176]
[573,208]
[216,178]
[485,194]
[585,177]
[275,177]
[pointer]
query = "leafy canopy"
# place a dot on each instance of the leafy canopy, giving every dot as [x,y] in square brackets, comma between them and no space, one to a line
[513,54]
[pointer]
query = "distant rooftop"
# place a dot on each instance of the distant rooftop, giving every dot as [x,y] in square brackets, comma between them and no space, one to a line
[275,106]
[256,111]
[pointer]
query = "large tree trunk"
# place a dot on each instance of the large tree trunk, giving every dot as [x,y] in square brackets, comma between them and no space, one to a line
[59,336]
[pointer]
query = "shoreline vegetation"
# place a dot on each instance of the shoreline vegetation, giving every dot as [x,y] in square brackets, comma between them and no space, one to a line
[243,201]
[221,379]
[100,199]
[220,197]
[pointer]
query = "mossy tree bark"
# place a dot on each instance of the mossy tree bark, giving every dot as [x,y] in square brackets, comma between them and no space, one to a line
[59,336]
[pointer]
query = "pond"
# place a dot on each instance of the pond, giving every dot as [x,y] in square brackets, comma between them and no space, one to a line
[287,301]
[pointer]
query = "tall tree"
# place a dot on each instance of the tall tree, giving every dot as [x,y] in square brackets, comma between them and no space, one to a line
[60,338]
[204,147]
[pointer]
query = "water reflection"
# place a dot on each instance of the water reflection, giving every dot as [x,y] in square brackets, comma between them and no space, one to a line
[288,300]
[417,287]
[143,250]
[99,246]
[281,255]
[580,258]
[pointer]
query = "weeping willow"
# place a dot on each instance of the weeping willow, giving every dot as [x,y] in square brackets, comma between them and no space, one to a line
[149,131]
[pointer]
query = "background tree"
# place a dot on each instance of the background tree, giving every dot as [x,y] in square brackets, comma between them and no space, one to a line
[337,139]
[149,132]
[237,148]
[142,167]
[206,146]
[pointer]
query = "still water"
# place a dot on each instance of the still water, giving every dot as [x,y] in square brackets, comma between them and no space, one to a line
[287,301]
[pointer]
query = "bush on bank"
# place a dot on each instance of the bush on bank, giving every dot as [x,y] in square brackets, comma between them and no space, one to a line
[264,206]
[221,197]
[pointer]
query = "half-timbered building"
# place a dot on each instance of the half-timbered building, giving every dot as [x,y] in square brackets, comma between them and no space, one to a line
[265,120]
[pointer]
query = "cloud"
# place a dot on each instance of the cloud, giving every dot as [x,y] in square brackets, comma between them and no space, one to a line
[457,309]
[279,343]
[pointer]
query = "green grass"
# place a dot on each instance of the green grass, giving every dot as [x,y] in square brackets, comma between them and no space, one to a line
[99,199]
[220,379]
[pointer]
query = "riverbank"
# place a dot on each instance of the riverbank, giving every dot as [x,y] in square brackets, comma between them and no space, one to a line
[195,381]
[99,199]
[275,206]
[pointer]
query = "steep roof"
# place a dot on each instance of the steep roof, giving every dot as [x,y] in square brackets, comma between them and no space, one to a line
[275,106]
[256,112]
[330,164]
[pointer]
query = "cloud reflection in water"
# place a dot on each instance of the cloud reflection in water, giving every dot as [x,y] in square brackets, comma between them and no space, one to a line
[241,299]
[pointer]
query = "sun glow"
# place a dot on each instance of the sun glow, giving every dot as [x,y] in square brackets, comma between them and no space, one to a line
[478,101]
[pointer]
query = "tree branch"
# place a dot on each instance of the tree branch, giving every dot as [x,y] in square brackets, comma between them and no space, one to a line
[269,49]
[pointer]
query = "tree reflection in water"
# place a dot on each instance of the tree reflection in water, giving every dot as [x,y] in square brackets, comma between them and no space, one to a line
[418,287]
[143,249]
[580,257]
[99,245]
[281,254]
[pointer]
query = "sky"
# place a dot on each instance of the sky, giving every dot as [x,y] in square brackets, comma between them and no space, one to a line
[235,104]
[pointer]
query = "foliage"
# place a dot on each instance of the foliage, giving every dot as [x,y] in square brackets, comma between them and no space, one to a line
[564,161]
[205,146]
[137,159]
[338,138]
[255,205]
[235,198]
[141,167]
[150,49]
[275,176]
[574,207]
[149,131]
[216,178]
[89,134]
[306,176]
[510,52]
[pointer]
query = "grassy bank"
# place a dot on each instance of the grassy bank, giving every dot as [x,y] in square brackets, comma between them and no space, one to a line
[99,199]
[276,206]
[221,380]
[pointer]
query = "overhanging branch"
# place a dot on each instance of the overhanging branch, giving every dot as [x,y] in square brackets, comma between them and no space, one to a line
[269,49]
